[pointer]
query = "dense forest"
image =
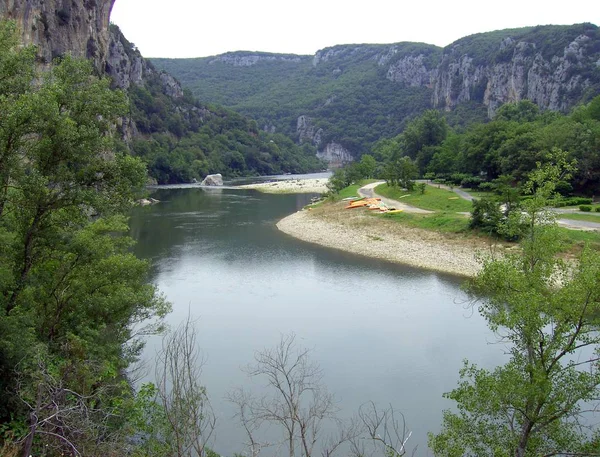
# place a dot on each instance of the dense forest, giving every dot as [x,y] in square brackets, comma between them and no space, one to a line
[511,145]
[349,97]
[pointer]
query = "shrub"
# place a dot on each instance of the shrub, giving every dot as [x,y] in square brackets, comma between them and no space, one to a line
[571,201]
[597,209]
[487,187]
[486,215]
[472,182]
[585,208]
[457,178]
[574,201]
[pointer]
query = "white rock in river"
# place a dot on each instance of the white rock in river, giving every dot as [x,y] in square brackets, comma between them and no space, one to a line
[213,180]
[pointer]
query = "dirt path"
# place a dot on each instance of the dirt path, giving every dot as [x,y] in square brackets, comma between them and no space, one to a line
[369,192]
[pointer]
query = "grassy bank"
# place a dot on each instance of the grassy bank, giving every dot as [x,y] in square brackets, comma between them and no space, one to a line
[433,199]
[450,218]
[443,222]
[592,217]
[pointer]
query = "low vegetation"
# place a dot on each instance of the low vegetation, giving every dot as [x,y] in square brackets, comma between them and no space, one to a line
[432,198]
[443,222]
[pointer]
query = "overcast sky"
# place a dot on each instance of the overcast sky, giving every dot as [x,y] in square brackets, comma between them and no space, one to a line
[196,28]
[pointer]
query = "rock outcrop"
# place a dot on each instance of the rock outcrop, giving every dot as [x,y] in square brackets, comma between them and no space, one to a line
[126,66]
[553,66]
[307,132]
[412,71]
[335,155]
[81,28]
[213,180]
[243,59]
[60,26]
[521,70]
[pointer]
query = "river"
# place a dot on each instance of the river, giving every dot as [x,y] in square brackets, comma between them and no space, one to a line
[380,332]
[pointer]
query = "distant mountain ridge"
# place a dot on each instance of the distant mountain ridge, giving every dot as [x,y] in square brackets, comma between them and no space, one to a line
[351,95]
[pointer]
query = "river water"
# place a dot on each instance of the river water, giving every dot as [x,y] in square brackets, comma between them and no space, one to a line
[380,332]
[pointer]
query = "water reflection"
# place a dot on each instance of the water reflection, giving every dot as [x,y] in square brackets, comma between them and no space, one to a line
[381,332]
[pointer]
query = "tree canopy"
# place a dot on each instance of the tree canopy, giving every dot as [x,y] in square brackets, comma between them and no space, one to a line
[546,311]
[72,296]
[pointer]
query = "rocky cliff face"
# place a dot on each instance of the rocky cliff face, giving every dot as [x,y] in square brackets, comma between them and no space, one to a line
[362,92]
[126,66]
[81,28]
[554,82]
[333,153]
[553,66]
[412,71]
[60,26]
[241,59]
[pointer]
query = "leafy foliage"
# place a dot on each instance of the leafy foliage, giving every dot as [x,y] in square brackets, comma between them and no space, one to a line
[71,293]
[186,140]
[348,91]
[547,312]
[519,138]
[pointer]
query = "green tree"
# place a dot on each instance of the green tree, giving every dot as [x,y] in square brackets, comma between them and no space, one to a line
[401,172]
[368,166]
[72,296]
[422,135]
[547,311]
[523,111]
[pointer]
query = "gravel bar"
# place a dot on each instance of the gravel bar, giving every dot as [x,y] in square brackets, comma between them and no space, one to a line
[359,233]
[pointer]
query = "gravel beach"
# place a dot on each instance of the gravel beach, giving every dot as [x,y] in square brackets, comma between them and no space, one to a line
[361,233]
[291,186]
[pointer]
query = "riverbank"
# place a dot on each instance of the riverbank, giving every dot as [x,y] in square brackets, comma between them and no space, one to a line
[360,232]
[290,186]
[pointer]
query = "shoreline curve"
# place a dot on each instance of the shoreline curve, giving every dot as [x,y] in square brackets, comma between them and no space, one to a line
[385,240]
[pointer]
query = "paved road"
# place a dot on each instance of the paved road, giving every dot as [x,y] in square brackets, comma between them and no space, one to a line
[461,193]
[579,225]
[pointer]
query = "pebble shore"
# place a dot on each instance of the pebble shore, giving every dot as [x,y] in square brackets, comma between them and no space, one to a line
[360,233]
[290,186]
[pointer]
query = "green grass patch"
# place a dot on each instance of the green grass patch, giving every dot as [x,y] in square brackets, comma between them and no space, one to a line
[433,199]
[352,190]
[581,237]
[592,217]
[439,222]
[479,193]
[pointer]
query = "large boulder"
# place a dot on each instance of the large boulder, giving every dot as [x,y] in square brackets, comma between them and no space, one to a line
[213,180]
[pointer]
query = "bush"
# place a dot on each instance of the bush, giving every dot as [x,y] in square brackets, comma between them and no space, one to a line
[486,215]
[487,187]
[457,178]
[597,209]
[574,201]
[571,201]
[585,208]
[472,182]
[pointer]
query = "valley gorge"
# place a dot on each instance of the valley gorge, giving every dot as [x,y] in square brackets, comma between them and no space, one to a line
[556,67]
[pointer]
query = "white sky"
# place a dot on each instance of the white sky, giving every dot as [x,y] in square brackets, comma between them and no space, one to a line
[191,28]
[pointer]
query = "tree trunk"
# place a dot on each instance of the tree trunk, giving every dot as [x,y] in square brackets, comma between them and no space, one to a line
[33,419]
[525,433]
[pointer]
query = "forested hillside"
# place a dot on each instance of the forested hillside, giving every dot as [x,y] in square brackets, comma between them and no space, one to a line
[507,148]
[353,95]
[182,139]
[348,97]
